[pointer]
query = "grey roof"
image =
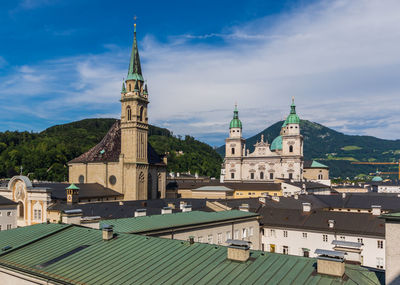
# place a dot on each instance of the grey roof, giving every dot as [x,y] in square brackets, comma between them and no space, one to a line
[86,190]
[233,185]
[214,188]
[109,149]
[332,253]
[6,202]
[345,222]
[347,243]
[308,184]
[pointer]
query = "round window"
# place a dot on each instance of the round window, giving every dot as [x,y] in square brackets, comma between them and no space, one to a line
[112,180]
[81,179]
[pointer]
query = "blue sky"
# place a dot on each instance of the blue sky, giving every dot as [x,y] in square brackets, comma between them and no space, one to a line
[62,61]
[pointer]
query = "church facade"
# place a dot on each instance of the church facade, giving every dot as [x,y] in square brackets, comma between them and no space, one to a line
[282,159]
[124,160]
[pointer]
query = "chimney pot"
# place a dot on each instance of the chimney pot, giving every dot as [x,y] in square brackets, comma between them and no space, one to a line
[191,240]
[140,212]
[331,224]
[306,207]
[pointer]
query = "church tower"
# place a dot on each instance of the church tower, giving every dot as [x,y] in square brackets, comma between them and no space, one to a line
[234,149]
[134,129]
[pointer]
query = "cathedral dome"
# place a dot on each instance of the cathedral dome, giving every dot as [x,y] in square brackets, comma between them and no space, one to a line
[235,123]
[277,143]
[377,179]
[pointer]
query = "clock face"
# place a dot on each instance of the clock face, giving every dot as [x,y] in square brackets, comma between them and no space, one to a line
[69,197]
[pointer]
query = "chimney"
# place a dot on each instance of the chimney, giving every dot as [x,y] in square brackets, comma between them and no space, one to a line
[121,203]
[191,240]
[376,210]
[187,208]
[330,262]
[166,210]
[331,224]
[196,175]
[72,216]
[182,204]
[140,212]
[238,250]
[296,196]
[177,174]
[244,207]
[275,198]
[343,195]
[306,207]
[108,232]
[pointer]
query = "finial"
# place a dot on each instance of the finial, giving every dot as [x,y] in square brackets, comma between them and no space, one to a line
[292,99]
[134,25]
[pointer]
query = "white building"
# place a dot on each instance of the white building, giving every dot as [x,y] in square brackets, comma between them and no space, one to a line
[282,159]
[8,214]
[300,232]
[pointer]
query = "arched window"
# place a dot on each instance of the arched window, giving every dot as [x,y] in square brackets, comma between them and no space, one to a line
[141,114]
[21,211]
[290,148]
[290,175]
[233,150]
[128,113]
[252,175]
[261,175]
[271,175]
[320,176]
[129,87]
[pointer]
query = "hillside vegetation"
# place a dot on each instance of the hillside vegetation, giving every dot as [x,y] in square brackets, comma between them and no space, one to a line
[44,155]
[336,149]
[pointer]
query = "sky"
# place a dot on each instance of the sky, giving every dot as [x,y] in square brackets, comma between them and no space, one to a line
[62,61]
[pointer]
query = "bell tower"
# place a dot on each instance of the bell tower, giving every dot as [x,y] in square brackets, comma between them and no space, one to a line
[134,129]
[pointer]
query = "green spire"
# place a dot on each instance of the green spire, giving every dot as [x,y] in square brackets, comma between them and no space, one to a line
[123,90]
[235,123]
[136,86]
[145,89]
[135,71]
[293,118]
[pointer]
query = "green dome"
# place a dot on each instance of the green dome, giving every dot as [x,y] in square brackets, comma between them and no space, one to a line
[277,143]
[235,123]
[377,179]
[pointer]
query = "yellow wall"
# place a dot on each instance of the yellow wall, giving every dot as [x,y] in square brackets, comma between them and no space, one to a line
[255,193]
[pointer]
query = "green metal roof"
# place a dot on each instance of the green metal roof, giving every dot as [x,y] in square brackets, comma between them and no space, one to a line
[235,123]
[72,187]
[166,221]
[391,216]
[377,179]
[316,164]
[135,259]
[134,70]
[277,143]
[123,89]
[293,118]
[20,236]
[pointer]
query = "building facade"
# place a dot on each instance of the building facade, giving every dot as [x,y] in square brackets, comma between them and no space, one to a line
[8,214]
[124,160]
[281,159]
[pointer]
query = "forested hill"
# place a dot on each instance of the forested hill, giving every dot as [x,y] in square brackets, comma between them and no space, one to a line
[336,149]
[44,155]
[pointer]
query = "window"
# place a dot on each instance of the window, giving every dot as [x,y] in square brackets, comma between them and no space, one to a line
[200,239]
[219,238]
[0,228]
[228,235]
[141,118]
[236,234]
[232,175]
[380,243]
[290,175]
[81,179]
[210,239]
[251,231]
[37,214]
[252,175]
[304,235]
[112,180]
[129,87]
[8,214]
[9,227]
[244,233]
[342,238]
[128,113]
[233,150]
[271,176]
[285,249]
[290,148]
[379,262]
[306,253]
[320,176]
[360,240]
[325,238]
[272,233]
[285,234]
[261,175]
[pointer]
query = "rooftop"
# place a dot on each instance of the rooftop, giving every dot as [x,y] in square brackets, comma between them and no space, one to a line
[77,255]
[166,221]
[6,202]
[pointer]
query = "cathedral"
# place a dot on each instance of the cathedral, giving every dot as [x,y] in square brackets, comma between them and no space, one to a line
[282,159]
[124,160]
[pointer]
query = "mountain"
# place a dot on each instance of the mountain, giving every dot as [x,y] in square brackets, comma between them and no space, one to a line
[44,155]
[336,149]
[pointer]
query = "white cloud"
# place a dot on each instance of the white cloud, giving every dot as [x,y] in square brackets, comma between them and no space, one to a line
[338,58]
